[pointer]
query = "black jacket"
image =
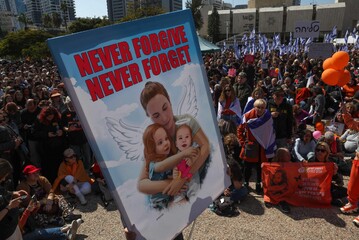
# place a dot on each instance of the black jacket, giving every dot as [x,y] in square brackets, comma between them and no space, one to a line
[283,124]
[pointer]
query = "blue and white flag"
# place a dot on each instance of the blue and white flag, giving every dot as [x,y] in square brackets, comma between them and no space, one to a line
[307,43]
[333,34]
[237,52]
[224,48]
[354,32]
[263,131]
[346,37]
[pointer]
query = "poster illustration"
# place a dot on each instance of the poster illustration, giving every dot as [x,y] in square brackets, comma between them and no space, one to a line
[300,184]
[142,96]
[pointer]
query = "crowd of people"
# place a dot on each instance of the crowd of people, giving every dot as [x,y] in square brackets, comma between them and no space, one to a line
[283,111]
[269,108]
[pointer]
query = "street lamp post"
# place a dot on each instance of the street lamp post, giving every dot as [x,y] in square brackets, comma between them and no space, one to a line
[227,28]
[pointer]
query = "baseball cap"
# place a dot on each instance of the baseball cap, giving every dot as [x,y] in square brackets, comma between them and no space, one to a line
[30,169]
[69,152]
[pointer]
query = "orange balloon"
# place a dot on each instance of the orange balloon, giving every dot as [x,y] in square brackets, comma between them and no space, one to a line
[276,70]
[340,60]
[344,78]
[331,76]
[328,63]
[319,126]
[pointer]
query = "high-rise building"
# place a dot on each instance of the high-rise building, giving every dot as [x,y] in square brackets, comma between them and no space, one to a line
[272,3]
[35,9]
[118,9]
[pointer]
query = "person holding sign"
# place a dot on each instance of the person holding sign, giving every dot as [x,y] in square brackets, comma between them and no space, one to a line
[157,105]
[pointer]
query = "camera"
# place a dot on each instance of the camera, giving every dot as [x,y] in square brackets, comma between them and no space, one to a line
[23,197]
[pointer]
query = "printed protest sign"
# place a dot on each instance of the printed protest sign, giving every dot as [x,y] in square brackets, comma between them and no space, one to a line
[142,95]
[300,184]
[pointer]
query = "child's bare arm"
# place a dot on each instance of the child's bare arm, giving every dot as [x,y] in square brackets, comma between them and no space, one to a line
[171,162]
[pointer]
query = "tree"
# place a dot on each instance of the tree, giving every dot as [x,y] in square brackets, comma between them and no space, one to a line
[83,24]
[63,7]
[37,51]
[46,21]
[137,13]
[56,20]
[213,25]
[23,19]
[195,6]
[14,43]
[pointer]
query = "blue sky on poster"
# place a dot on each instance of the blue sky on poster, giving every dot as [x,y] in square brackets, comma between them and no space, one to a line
[98,8]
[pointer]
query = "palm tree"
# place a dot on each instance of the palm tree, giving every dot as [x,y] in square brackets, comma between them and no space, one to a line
[23,19]
[195,6]
[63,7]
[46,21]
[56,20]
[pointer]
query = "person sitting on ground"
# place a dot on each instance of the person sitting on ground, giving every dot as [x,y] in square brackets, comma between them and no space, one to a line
[67,232]
[304,146]
[232,147]
[236,191]
[334,144]
[73,177]
[282,155]
[300,117]
[350,139]
[322,153]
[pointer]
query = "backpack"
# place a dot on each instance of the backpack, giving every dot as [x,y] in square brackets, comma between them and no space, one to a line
[224,206]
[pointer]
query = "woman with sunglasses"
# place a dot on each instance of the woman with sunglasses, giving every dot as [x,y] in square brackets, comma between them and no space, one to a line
[322,152]
[229,107]
[72,177]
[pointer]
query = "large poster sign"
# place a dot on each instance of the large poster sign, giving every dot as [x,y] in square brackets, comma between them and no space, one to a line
[300,184]
[320,50]
[141,92]
[306,29]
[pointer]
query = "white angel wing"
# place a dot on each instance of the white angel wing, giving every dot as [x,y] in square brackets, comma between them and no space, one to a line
[188,102]
[128,138]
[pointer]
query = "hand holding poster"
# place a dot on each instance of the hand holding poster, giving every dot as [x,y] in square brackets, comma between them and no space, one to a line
[136,88]
[300,184]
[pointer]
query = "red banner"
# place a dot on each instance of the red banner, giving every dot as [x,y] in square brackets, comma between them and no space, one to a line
[299,184]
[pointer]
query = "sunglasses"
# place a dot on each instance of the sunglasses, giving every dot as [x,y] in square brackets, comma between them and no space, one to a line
[320,150]
[227,90]
[70,157]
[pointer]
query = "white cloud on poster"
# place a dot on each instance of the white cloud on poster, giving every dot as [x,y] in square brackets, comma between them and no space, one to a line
[99,110]
[188,70]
